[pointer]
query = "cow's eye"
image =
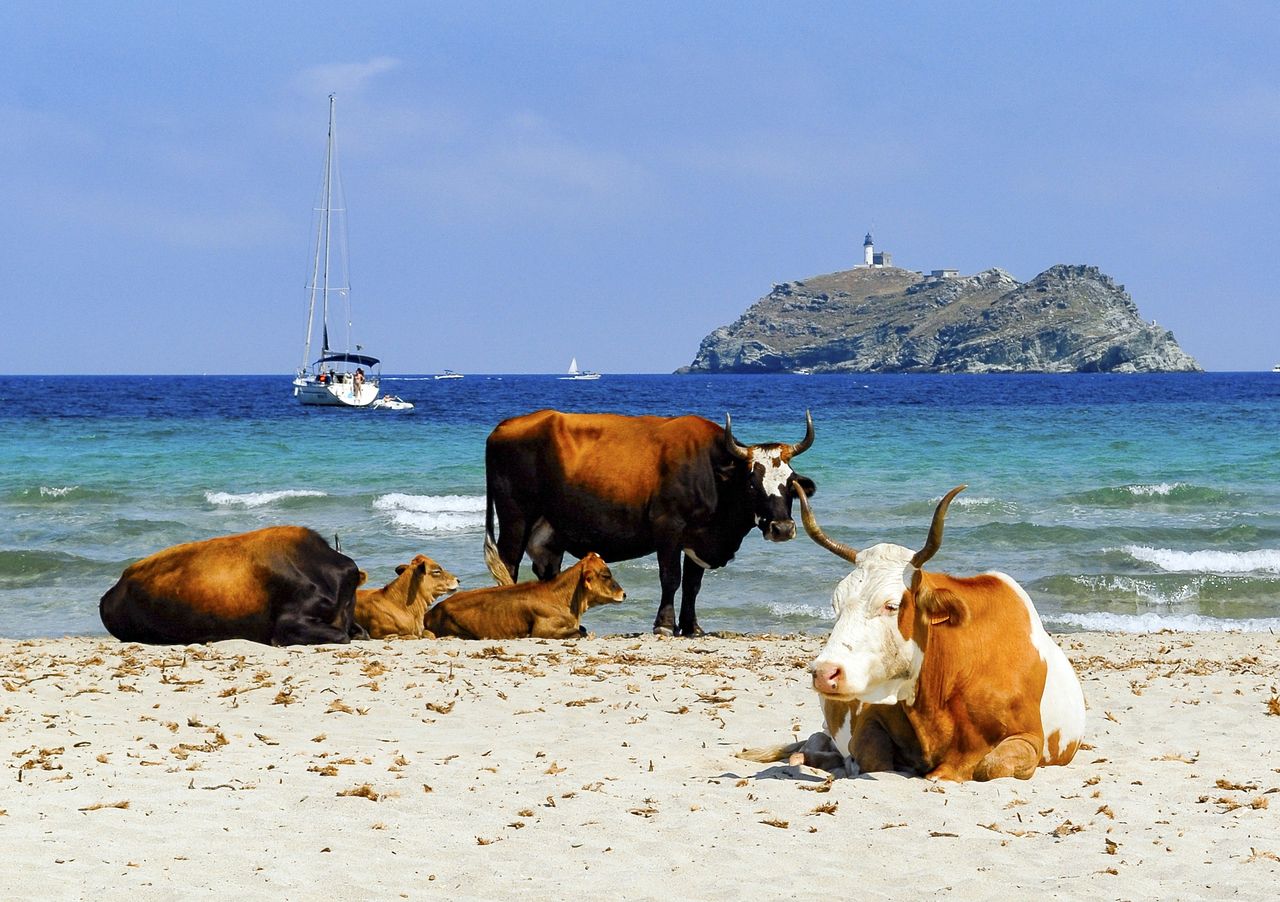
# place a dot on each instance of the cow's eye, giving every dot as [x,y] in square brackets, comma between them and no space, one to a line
[891,607]
[435,573]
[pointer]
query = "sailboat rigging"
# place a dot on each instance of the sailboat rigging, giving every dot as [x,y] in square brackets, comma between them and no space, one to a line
[337,378]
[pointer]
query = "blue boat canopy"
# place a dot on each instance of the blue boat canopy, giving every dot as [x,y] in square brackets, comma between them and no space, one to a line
[358,359]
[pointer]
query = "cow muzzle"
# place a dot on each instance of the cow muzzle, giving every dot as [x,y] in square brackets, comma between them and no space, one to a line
[829,678]
[779,530]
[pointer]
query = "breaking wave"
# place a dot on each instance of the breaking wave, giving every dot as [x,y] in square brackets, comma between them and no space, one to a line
[1138,494]
[432,513]
[788,610]
[1262,560]
[1143,590]
[259,499]
[19,569]
[1154,623]
[980,504]
[61,494]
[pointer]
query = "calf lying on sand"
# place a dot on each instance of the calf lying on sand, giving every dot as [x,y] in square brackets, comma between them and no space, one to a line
[544,610]
[398,608]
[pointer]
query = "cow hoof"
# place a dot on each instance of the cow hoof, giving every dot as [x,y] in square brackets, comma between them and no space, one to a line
[664,631]
[694,633]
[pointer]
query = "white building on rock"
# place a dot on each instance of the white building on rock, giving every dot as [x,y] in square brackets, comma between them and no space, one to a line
[871,258]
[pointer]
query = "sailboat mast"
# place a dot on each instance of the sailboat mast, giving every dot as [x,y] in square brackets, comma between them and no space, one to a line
[320,278]
[328,216]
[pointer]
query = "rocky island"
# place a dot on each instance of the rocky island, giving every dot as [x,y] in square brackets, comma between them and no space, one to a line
[881,319]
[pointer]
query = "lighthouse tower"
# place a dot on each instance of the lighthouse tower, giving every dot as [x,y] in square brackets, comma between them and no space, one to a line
[868,251]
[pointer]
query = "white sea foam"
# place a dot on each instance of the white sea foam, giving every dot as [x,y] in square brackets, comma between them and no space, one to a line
[432,513]
[980,503]
[1263,560]
[259,499]
[1160,488]
[1154,623]
[780,609]
[1144,589]
[53,491]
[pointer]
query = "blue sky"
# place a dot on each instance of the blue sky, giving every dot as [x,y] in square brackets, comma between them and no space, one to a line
[529,182]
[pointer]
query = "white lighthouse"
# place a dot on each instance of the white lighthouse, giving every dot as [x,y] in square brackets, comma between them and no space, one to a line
[871,258]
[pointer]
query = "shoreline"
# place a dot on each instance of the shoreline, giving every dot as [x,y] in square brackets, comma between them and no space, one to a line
[605,766]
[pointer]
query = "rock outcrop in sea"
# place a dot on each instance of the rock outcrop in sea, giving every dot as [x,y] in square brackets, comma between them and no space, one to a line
[1068,319]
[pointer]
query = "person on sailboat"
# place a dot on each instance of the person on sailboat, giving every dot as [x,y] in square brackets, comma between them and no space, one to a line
[359,380]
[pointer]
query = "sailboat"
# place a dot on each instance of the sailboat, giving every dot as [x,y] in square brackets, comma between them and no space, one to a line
[337,377]
[578,375]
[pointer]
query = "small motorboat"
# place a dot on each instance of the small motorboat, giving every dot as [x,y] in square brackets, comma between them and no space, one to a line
[391,402]
[448,374]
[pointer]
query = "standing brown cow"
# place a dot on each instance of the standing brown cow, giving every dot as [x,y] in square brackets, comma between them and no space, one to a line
[628,486]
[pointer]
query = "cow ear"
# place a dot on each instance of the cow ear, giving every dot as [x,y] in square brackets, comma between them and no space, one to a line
[805,483]
[942,606]
[401,568]
[364,576]
[422,566]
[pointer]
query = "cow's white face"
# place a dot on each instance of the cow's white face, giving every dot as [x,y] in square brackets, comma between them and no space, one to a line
[867,658]
[775,472]
[771,476]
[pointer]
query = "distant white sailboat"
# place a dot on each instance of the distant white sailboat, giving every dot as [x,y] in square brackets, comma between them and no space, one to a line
[448,374]
[336,378]
[577,375]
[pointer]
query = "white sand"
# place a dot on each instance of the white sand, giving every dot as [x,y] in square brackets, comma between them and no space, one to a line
[604,769]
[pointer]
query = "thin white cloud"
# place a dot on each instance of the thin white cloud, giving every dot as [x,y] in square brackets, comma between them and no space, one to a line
[344,78]
[101,213]
[524,166]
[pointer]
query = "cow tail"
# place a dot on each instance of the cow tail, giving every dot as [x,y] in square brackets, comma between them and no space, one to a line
[769,755]
[501,575]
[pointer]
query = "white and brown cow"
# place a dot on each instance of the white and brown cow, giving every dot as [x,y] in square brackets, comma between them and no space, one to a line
[951,677]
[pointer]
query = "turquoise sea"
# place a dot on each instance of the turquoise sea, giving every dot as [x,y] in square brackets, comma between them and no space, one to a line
[1120,502]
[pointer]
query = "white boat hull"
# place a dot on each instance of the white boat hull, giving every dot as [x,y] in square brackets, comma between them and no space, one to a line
[391,402]
[338,394]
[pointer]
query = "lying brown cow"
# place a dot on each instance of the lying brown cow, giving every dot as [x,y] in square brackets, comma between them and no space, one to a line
[282,585]
[545,610]
[398,608]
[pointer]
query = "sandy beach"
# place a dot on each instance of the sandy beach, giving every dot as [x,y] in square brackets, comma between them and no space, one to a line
[605,768]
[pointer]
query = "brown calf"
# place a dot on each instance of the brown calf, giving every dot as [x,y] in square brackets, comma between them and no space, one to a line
[547,610]
[398,608]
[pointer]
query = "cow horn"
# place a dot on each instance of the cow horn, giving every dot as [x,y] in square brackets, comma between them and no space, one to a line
[730,443]
[815,531]
[792,450]
[934,541]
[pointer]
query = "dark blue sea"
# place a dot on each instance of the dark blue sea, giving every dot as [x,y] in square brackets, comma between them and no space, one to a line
[1134,503]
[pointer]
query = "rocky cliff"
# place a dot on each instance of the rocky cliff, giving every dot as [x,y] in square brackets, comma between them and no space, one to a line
[1068,319]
